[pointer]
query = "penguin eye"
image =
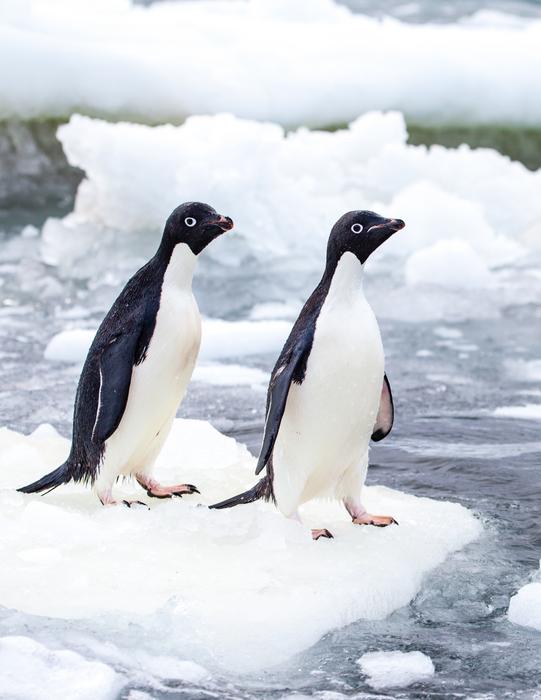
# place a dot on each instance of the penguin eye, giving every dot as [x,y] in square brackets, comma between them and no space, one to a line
[357,228]
[190,221]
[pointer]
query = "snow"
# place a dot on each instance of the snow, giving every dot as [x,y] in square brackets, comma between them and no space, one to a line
[531,411]
[220,340]
[174,580]
[171,60]
[525,606]
[467,212]
[395,669]
[31,671]
[524,370]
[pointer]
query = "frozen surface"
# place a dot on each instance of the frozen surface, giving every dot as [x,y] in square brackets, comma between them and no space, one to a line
[189,575]
[171,60]
[531,411]
[31,671]
[525,606]
[472,216]
[395,669]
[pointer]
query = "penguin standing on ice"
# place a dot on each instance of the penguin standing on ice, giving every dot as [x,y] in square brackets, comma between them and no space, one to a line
[139,365]
[328,394]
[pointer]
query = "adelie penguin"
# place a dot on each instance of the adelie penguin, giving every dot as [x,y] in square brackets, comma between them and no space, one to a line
[139,365]
[328,394]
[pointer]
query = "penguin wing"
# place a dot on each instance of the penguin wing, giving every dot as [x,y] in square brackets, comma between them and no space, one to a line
[279,386]
[385,417]
[116,361]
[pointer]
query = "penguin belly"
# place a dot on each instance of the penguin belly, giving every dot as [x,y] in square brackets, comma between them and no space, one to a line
[329,418]
[157,387]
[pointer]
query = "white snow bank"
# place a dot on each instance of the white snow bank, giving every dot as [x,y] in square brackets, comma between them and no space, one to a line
[297,62]
[531,411]
[220,340]
[466,210]
[31,671]
[182,577]
[525,606]
[395,669]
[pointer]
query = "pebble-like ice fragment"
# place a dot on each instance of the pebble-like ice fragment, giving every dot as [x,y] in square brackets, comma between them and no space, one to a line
[395,669]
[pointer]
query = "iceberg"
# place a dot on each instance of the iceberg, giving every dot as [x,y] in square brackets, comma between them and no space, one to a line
[308,62]
[176,579]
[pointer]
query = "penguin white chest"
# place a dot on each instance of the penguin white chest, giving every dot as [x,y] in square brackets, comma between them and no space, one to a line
[159,382]
[328,419]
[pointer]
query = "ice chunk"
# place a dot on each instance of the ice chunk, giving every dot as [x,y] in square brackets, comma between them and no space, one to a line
[31,671]
[449,263]
[531,411]
[69,346]
[220,340]
[466,210]
[525,606]
[524,370]
[221,374]
[182,577]
[127,60]
[395,669]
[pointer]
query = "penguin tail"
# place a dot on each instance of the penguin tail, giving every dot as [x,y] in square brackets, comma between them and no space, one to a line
[263,489]
[49,481]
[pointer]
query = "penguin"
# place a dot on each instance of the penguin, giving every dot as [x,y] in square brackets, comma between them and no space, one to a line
[139,365]
[328,394]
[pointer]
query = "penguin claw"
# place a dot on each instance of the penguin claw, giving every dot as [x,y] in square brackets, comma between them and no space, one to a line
[129,504]
[322,532]
[375,520]
[170,491]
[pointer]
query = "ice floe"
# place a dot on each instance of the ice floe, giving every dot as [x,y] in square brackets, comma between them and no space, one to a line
[180,578]
[395,669]
[220,340]
[531,411]
[297,62]
[31,671]
[525,606]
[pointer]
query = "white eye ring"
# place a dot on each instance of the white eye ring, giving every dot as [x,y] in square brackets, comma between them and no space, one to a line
[190,221]
[357,228]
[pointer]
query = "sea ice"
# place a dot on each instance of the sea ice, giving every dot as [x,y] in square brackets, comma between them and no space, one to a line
[31,671]
[395,669]
[531,411]
[175,580]
[525,606]
[122,60]
[466,210]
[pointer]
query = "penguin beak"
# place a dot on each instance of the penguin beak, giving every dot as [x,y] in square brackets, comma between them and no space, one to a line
[224,222]
[389,226]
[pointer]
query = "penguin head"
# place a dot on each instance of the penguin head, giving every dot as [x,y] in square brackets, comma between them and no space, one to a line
[195,224]
[360,233]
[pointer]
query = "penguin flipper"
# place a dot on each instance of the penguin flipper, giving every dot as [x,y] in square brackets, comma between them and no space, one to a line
[279,386]
[115,365]
[385,417]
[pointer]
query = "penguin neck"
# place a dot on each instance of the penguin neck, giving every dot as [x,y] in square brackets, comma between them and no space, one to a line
[344,277]
[179,266]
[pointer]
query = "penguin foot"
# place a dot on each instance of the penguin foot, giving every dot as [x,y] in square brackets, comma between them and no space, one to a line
[156,490]
[377,520]
[129,504]
[321,532]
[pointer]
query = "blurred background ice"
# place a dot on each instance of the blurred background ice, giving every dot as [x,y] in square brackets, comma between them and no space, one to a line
[283,114]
